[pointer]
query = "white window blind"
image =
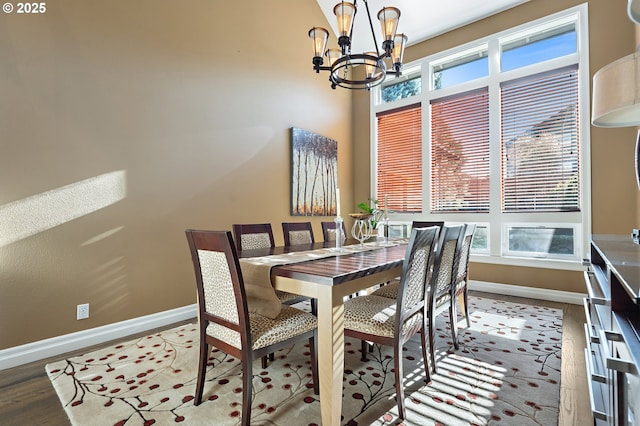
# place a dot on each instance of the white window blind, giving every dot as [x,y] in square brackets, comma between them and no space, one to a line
[400,158]
[460,153]
[540,143]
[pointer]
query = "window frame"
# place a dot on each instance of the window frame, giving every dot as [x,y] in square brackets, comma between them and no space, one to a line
[496,220]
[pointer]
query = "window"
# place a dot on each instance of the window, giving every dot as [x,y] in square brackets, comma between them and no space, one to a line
[460,153]
[401,90]
[541,241]
[540,152]
[502,141]
[480,242]
[553,40]
[400,158]
[465,66]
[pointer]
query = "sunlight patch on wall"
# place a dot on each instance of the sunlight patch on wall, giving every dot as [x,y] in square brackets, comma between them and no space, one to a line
[102,236]
[29,216]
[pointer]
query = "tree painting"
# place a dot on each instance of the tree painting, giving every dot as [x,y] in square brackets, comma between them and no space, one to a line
[314,173]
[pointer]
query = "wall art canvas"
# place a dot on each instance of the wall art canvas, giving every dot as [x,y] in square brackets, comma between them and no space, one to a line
[314,173]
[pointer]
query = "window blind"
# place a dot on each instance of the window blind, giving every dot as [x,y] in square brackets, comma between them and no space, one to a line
[460,153]
[399,158]
[540,152]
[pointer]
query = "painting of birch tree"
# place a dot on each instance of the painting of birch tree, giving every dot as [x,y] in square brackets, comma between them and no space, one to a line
[314,173]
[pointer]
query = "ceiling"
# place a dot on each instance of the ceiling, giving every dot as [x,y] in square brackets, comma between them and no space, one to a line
[419,19]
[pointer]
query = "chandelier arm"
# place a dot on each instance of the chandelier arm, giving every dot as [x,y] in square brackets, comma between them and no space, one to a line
[373,33]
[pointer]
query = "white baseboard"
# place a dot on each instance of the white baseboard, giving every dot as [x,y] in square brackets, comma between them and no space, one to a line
[530,292]
[46,348]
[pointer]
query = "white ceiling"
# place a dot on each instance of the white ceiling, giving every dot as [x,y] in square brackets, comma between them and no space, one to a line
[419,19]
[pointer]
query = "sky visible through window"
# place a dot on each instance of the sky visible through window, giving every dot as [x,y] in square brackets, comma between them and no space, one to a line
[542,50]
[527,54]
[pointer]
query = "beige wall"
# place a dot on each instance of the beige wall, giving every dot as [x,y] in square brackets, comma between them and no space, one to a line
[614,192]
[188,104]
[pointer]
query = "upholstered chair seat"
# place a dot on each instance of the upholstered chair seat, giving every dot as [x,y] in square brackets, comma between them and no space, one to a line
[388,290]
[376,315]
[266,331]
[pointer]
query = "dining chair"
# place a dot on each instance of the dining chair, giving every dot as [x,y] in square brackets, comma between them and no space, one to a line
[224,319]
[297,233]
[329,231]
[253,236]
[460,282]
[392,322]
[441,286]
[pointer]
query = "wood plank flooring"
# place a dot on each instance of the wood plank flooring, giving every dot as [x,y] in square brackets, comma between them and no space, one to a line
[28,398]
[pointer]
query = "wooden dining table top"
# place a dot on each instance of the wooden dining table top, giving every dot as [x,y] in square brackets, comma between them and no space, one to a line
[334,270]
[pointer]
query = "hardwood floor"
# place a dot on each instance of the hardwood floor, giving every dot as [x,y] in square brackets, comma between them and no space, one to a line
[28,398]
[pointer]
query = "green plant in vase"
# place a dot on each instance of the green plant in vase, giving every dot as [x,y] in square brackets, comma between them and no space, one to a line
[372,209]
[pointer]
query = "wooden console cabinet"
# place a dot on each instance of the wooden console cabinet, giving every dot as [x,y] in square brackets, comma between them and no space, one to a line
[613,330]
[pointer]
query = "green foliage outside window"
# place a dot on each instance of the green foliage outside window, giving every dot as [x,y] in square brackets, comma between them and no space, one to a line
[401,90]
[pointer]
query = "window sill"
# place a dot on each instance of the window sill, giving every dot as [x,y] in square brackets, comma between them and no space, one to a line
[546,263]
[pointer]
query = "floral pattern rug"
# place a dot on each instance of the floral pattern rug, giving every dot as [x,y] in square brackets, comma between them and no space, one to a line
[506,372]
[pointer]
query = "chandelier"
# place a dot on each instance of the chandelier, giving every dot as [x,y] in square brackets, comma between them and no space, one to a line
[342,62]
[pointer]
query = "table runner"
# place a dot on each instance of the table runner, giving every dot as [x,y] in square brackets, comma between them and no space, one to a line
[256,273]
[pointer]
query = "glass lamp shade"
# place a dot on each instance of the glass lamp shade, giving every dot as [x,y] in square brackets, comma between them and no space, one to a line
[333,55]
[319,36]
[370,65]
[616,93]
[399,42]
[345,12]
[389,17]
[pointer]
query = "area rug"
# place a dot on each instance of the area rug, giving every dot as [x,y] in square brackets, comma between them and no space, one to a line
[506,372]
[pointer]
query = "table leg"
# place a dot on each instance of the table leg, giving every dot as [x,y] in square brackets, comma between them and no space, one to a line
[330,355]
[461,304]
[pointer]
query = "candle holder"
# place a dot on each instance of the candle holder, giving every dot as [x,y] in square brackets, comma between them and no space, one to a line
[385,231]
[338,220]
[362,228]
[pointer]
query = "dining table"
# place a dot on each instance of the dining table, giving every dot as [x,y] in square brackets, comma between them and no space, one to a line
[331,279]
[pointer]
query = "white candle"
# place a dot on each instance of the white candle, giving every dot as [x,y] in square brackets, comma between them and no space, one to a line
[385,204]
[337,201]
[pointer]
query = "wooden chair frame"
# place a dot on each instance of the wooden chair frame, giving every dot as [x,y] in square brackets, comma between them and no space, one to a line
[222,241]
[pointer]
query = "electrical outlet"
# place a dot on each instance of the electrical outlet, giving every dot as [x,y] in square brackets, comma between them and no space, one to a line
[83,311]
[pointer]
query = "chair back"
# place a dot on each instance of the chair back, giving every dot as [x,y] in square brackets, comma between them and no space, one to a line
[329,231]
[416,272]
[462,261]
[444,270]
[297,233]
[253,236]
[223,315]
[423,224]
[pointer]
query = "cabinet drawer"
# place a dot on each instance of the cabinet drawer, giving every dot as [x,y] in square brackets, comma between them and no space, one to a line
[598,391]
[596,282]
